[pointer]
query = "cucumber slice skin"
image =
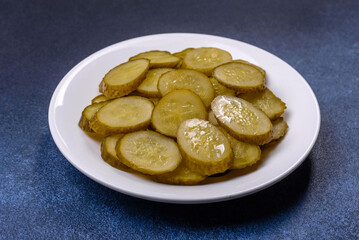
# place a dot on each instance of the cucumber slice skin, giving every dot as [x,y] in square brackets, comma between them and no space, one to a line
[116,91]
[256,138]
[105,129]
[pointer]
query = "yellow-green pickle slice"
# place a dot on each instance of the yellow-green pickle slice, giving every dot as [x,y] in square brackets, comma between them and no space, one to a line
[205,148]
[149,152]
[279,129]
[248,63]
[100,98]
[239,76]
[174,108]
[148,88]
[205,59]
[244,154]
[182,175]
[124,78]
[242,120]
[266,101]
[191,80]
[220,89]
[158,59]
[123,115]
[108,151]
[87,115]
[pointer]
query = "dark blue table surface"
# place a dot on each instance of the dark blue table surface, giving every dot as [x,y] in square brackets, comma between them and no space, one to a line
[42,196]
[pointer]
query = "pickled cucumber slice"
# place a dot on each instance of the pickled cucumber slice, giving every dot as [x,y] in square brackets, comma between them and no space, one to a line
[181,55]
[266,101]
[149,152]
[99,98]
[87,115]
[244,154]
[242,120]
[182,175]
[124,78]
[174,108]
[248,63]
[187,79]
[205,148]
[239,76]
[123,115]
[108,151]
[220,89]
[148,88]
[158,59]
[212,119]
[205,59]
[279,129]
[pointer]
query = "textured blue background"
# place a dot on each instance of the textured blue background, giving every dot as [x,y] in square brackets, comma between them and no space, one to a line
[44,197]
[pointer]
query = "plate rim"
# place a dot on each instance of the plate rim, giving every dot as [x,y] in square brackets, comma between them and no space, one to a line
[60,145]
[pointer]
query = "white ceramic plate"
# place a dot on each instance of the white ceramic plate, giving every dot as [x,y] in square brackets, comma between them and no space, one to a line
[80,85]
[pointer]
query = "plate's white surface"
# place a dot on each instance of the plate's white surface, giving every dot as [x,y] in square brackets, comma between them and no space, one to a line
[80,85]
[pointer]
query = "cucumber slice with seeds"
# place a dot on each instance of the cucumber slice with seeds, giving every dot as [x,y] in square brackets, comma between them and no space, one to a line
[123,115]
[205,148]
[124,78]
[266,101]
[242,120]
[148,88]
[158,59]
[187,79]
[149,152]
[174,108]
[205,59]
[251,64]
[239,76]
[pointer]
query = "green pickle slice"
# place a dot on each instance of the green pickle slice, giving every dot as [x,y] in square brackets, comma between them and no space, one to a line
[266,101]
[148,88]
[205,59]
[108,151]
[123,115]
[240,76]
[205,148]
[124,78]
[158,59]
[174,108]
[242,120]
[149,152]
[187,79]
